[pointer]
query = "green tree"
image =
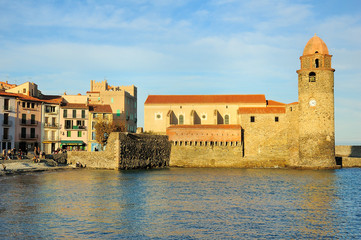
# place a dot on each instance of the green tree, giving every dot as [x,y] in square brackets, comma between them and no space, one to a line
[104,128]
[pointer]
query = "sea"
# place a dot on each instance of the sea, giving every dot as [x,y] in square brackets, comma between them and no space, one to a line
[182,203]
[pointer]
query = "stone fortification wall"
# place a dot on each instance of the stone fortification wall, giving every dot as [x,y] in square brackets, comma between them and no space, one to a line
[106,159]
[218,156]
[127,151]
[143,151]
[348,151]
[350,155]
[266,136]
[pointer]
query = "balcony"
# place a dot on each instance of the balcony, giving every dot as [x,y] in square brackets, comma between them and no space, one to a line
[7,138]
[7,123]
[76,117]
[51,138]
[28,136]
[56,112]
[75,127]
[51,125]
[9,109]
[28,122]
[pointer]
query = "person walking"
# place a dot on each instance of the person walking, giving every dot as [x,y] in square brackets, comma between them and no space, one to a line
[4,154]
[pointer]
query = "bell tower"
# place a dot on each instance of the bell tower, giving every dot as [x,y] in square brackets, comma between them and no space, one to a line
[316,107]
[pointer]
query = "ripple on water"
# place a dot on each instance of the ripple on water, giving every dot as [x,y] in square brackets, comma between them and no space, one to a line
[182,204]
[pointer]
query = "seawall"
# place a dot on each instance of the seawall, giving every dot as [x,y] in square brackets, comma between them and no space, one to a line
[349,156]
[127,151]
[219,156]
[131,151]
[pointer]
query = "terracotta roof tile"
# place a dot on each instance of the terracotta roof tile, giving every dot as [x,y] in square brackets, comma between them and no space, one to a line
[52,99]
[28,98]
[294,103]
[75,105]
[275,103]
[162,99]
[261,110]
[100,108]
[223,126]
[9,94]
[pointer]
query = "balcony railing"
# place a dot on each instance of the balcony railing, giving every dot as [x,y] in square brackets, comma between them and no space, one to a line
[52,112]
[76,127]
[9,109]
[28,122]
[51,125]
[7,138]
[7,123]
[28,136]
[51,138]
[76,117]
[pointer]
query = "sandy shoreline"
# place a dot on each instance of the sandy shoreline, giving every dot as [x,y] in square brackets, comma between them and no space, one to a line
[23,166]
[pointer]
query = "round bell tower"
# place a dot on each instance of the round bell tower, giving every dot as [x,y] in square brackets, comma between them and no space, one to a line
[316,107]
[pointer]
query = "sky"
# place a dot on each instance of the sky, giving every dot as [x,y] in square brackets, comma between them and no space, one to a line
[183,47]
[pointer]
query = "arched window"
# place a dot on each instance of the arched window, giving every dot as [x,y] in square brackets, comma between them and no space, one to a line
[181,119]
[317,63]
[226,119]
[312,77]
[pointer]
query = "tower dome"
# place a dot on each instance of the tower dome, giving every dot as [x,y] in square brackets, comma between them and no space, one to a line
[315,45]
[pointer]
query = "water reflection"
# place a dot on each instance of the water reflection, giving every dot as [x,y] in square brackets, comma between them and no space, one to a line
[179,204]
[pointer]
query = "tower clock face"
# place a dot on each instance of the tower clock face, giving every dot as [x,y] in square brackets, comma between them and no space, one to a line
[312,103]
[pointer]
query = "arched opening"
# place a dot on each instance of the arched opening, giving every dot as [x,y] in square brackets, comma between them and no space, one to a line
[312,77]
[317,63]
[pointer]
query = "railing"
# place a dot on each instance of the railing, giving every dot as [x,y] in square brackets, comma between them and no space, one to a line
[7,138]
[76,127]
[51,125]
[51,138]
[28,136]
[7,123]
[9,109]
[28,122]
[52,112]
[76,117]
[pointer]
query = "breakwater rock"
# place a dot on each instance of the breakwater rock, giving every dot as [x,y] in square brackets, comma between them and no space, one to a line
[143,151]
[127,151]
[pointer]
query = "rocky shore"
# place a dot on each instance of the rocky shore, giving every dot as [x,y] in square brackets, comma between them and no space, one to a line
[23,166]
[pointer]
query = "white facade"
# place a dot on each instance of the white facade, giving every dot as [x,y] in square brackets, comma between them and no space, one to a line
[7,121]
[50,127]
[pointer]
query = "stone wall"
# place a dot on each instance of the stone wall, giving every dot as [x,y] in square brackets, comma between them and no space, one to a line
[127,151]
[218,156]
[348,151]
[349,156]
[106,159]
[143,151]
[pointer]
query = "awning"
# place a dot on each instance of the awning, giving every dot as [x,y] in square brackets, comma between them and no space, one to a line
[72,142]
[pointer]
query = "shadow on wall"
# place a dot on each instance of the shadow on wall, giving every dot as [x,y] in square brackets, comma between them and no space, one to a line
[355,151]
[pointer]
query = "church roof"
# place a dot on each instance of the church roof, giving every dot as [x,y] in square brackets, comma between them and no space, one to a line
[166,99]
[315,44]
[208,126]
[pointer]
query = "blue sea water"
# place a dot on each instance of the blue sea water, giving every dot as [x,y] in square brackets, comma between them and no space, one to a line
[182,204]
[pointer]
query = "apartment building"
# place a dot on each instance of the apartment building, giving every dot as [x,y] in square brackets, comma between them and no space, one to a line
[50,119]
[7,120]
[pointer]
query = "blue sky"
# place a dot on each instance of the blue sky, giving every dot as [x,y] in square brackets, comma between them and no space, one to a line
[183,47]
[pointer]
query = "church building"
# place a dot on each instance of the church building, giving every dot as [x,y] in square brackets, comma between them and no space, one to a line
[250,130]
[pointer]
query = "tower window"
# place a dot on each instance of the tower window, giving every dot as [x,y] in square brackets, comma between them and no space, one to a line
[276,119]
[252,119]
[317,63]
[181,119]
[312,77]
[226,119]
